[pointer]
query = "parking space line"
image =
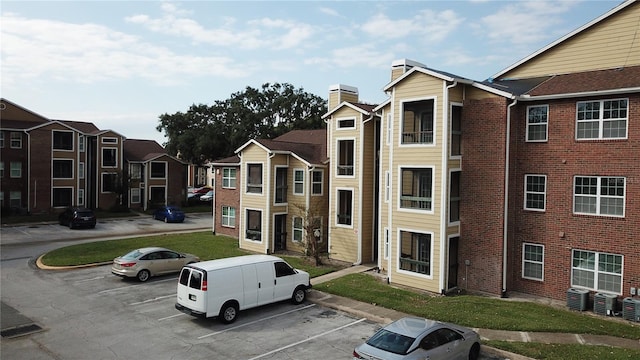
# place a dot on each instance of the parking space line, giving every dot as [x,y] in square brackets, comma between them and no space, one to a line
[172,316]
[152,300]
[308,339]
[92,279]
[256,321]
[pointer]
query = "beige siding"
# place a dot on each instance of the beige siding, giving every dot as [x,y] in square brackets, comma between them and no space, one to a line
[367,192]
[254,154]
[611,43]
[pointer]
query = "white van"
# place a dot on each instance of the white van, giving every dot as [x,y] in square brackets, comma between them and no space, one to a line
[225,286]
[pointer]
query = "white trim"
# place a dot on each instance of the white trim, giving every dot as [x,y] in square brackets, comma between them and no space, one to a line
[399,252]
[345,118]
[337,162]
[524,244]
[166,170]
[401,121]
[243,234]
[73,140]
[399,192]
[524,200]
[299,170]
[245,179]
[337,210]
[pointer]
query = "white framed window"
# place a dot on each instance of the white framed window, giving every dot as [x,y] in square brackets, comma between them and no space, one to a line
[537,123]
[418,122]
[344,211]
[602,119]
[229,216]
[16,170]
[387,186]
[298,182]
[109,157]
[80,196]
[317,182]
[81,170]
[1,169]
[16,140]
[346,123]
[346,157]
[81,140]
[62,140]
[109,140]
[135,195]
[158,170]
[109,182]
[599,195]
[254,178]
[387,242]
[282,186]
[1,139]
[415,252]
[456,130]
[389,128]
[15,199]
[533,261]
[229,178]
[597,271]
[535,192]
[416,188]
[254,225]
[1,199]
[62,196]
[454,197]
[135,171]
[298,229]
[62,168]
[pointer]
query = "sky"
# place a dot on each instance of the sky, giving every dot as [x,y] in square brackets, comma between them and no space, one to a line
[122,64]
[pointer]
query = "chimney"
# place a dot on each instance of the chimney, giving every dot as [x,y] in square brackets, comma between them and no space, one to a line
[399,67]
[339,93]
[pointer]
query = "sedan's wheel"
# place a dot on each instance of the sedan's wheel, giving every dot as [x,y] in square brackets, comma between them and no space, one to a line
[143,275]
[299,294]
[474,353]
[228,312]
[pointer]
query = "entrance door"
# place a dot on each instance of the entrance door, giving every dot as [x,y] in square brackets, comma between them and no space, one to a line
[280,233]
[453,262]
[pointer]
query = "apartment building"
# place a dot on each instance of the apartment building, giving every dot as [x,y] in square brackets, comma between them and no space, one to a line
[525,182]
[52,164]
[226,196]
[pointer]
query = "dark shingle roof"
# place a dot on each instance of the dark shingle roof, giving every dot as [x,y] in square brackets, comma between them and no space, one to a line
[231,160]
[600,80]
[310,145]
[82,126]
[516,87]
[142,150]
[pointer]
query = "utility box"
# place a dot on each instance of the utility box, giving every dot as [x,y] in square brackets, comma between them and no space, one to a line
[605,304]
[631,309]
[577,299]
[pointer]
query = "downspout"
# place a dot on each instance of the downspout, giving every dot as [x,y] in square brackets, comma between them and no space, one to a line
[329,174]
[29,176]
[240,214]
[506,200]
[444,194]
[213,200]
[269,246]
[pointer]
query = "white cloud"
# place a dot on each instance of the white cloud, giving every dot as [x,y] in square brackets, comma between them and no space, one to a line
[427,24]
[330,12]
[362,56]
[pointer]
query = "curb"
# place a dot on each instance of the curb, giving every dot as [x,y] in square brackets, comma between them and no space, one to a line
[42,266]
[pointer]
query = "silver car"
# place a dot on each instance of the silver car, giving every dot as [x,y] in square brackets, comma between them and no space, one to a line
[412,338]
[151,261]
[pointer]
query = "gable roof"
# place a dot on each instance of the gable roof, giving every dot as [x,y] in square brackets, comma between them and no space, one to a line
[82,126]
[565,38]
[310,146]
[443,75]
[231,160]
[144,150]
[365,109]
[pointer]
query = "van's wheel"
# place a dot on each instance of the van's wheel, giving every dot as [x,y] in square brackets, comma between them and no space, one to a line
[228,312]
[143,275]
[474,353]
[166,220]
[299,294]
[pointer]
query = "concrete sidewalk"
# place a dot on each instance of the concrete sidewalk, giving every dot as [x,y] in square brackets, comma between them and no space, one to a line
[385,316]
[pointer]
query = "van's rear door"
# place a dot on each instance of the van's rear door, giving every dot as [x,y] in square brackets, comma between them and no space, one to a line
[192,290]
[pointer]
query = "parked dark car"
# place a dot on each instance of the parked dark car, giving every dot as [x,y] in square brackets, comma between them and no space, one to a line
[169,214]
[77,217]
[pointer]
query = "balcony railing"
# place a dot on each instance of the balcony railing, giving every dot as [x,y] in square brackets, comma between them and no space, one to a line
[345,169]
[417,137]
[415,202]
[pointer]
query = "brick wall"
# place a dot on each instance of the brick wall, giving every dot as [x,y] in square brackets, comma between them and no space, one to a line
[226,197]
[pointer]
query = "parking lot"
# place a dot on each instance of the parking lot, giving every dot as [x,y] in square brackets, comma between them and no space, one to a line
[89,313]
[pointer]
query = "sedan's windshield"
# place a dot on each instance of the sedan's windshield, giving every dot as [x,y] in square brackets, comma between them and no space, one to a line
[390,341]
[133,255]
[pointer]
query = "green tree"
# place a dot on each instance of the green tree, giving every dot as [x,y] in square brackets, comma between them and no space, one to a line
[212,132]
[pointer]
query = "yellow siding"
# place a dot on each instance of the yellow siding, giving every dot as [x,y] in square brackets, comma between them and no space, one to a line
[367,192]
[611,43]
[254,154]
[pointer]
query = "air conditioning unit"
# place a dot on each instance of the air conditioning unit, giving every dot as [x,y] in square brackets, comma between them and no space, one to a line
[631,309]
[605,304]
[577,299]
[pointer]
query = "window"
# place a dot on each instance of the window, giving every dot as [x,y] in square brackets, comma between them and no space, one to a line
[1,139]
[345,207]
[135,171]
[386,243]
[1,169]
[533,261]
[157,194]
[454,197]
[158,169]
[254,178]
[537,119]
[281,185]
[298,182]
[1,199]
[62,169]
[346,124]
[297,229]
[317,178]
[389,128]
[109,182]
[16,140]
[345,157]
[535,189]
[135,195]
[80,196]
[228,216]
[16,169]
[456,130]
[62,140]
[418,122]
[254,225]
[415,252]
[387,186]
[109,157]
[15,199]
[81,140]
[283,269]
[62,197]
[604,119]
[229,178]
[109,140]
[416,187]
[597,271]
[81,170]
[599,195]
